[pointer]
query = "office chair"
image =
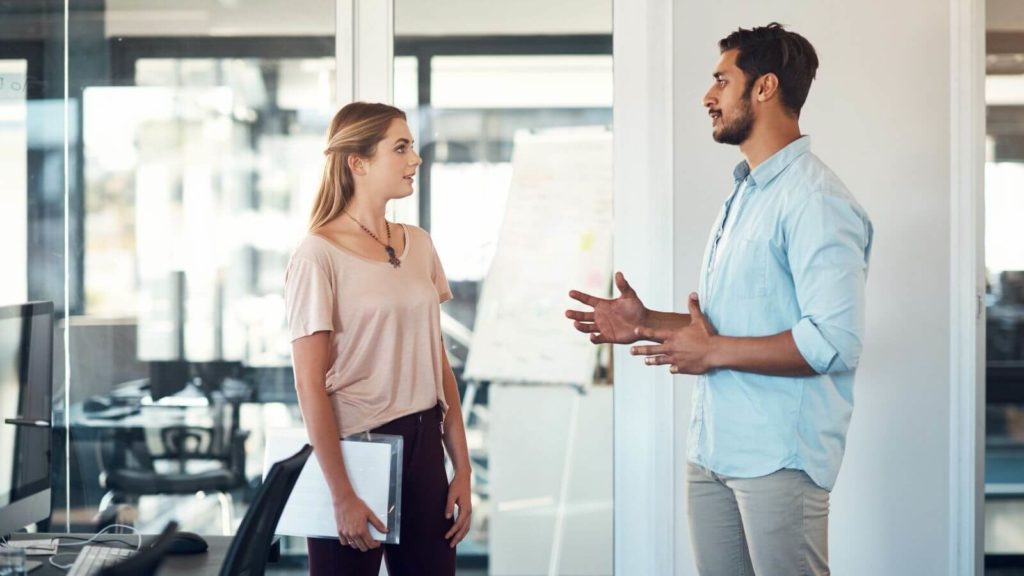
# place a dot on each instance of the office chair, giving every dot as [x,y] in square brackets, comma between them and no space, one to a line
[147,560]
[131,470]
[250,548]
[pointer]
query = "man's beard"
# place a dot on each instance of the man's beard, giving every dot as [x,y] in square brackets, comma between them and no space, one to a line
[737,131]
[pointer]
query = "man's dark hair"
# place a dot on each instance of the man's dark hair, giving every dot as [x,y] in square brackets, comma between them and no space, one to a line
[773,49]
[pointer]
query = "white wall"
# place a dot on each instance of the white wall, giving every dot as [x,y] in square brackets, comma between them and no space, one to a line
[879,115]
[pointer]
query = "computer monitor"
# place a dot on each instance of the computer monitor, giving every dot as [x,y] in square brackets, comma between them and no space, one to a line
[26,396]
[213,373]
[168,377]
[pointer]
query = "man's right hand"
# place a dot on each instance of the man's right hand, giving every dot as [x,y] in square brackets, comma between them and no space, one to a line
[612,321]
[353,518]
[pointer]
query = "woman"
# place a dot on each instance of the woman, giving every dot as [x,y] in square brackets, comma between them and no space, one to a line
[363,298]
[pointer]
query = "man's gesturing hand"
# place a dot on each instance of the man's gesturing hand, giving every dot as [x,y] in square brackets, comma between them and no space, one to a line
[614,321]
[686,350]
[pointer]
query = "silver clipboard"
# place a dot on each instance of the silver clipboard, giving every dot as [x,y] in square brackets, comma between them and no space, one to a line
[397,445]
[303,513]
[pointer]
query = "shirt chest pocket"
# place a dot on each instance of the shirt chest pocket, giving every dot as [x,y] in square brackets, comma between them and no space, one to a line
[748,268]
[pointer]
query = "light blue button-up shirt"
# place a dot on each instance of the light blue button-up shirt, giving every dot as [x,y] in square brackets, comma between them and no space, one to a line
[797,259]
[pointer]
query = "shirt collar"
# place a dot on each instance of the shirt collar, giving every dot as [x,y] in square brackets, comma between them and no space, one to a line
[771,167]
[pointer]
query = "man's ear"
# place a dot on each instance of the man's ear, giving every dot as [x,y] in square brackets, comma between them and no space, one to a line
[767,87]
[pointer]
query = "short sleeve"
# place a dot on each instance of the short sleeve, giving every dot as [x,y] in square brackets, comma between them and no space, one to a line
[444,292]
[309,298]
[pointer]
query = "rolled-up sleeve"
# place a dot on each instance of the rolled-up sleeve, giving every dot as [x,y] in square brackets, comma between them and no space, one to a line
[829,246]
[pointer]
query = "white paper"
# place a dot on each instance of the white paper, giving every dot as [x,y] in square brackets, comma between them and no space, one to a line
[310,510]
[46,547]
[556,235]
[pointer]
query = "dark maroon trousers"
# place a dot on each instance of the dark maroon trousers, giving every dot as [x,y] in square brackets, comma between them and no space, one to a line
[422,549]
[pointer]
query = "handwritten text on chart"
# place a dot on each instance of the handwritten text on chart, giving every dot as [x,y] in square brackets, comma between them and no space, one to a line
[14,85]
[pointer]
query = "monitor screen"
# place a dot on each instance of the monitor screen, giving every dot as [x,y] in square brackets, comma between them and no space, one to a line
[26,393]
[167,378]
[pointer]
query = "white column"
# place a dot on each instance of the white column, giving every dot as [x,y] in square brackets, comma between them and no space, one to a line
[364,50]
[375,53]
[365,60]
[344,51]
[648,521]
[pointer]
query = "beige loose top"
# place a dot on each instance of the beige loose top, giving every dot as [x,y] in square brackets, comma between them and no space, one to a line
[385,359]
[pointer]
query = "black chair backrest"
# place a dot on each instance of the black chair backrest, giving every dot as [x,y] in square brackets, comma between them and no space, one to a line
[248,553]
[147,560]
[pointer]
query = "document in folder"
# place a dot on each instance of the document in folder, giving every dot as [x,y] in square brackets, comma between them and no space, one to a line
[373,464]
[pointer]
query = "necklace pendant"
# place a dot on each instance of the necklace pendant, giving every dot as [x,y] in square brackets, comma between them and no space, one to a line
[392,258]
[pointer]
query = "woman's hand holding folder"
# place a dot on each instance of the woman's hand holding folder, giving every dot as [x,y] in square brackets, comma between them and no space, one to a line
[353,517]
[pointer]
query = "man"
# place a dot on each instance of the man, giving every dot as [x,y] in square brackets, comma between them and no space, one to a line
[776,334]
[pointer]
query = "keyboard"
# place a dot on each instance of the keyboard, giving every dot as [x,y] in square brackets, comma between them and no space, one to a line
[92,559]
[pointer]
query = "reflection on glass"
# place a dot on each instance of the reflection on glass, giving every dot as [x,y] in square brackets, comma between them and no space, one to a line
[194,155]
[521,82]
[14,180]
[198,180]
[1004,261]
[1004,264]
[197,187]
[469,108]
[32,196]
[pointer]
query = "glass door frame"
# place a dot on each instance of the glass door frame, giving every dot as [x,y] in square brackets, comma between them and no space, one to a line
[967,287]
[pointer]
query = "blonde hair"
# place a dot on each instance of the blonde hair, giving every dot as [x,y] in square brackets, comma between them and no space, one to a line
[355,130]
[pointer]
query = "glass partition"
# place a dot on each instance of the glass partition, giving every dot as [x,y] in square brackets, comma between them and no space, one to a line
[160,216]
[1004,288]
[201,145]
[483,105]
[32,192]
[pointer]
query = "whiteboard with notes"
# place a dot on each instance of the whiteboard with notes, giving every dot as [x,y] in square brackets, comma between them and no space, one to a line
[556,235]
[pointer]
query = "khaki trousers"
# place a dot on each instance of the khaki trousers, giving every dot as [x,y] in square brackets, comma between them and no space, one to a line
[774,525]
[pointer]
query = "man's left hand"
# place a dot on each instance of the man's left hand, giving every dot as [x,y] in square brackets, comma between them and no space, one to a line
[687,350]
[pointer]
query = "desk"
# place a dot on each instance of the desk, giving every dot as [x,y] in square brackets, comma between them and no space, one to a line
[205,564]
[149,416]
